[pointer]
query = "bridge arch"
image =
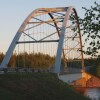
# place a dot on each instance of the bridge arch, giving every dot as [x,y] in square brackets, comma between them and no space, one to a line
[66,13]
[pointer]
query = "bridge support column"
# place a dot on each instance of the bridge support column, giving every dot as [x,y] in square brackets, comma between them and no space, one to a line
[61,39]
[59,52]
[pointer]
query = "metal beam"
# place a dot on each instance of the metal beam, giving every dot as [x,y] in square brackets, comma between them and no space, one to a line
[73,60]
[49,21]
[29,36]
[60,45]
[71,48]
[20,42]
[45,22]
[71,37]
[47,36]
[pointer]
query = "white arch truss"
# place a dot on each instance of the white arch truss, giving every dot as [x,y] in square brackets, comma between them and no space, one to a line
[61,33]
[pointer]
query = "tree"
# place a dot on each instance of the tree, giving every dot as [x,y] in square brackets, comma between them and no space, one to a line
[12,62]
[90,26]
[1,57]
[98,66]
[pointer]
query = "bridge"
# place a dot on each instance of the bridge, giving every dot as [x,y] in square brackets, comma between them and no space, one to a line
[52,33]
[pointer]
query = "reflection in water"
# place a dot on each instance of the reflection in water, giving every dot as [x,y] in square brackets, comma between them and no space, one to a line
[93,93]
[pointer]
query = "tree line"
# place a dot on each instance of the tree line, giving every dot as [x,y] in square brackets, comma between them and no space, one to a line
[32,60]
[39,60]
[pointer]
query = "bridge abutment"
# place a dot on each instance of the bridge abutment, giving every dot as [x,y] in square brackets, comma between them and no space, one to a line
[82,79]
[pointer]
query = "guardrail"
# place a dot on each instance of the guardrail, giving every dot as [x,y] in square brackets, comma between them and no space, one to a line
[12,70]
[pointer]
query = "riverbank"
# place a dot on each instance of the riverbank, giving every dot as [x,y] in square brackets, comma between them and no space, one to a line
[35,86]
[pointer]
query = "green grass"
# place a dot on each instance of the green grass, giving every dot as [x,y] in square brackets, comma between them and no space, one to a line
[35,86]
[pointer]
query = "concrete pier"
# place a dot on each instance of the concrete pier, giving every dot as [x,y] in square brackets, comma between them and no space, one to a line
[82,79]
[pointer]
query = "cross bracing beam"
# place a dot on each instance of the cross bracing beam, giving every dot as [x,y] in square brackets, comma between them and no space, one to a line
[40,39]
[71,37]
[57,19]
[57,16]
[58,13]
[32,27]
[45,22]
[58,9]
[46,41]
[72,60]
[42,22]
[71,48]
[29,36]
[47,36]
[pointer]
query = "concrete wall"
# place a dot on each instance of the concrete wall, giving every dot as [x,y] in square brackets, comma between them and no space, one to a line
[70,77]
[86,76]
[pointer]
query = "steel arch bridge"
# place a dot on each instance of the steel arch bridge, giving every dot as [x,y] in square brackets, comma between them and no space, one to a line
[52,31]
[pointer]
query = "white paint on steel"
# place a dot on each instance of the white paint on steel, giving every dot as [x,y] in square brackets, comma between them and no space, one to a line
[61,39]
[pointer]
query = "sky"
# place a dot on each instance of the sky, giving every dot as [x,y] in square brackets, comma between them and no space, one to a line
[14,12]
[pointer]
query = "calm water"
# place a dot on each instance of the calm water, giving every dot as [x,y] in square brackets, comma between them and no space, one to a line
[93,93]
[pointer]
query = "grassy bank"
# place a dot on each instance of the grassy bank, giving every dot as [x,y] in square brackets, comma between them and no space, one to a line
[35,86]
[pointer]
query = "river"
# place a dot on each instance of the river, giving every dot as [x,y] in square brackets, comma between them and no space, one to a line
[93,93]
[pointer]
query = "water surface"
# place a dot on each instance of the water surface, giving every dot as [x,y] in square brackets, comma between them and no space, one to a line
[93,93]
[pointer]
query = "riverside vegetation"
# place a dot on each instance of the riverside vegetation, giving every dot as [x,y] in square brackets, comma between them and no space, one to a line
[35,86]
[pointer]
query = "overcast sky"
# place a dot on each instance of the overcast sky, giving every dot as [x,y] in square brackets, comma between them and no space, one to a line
[13,13]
